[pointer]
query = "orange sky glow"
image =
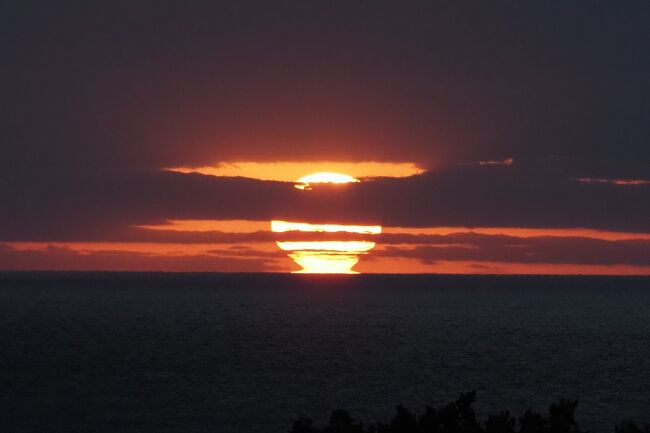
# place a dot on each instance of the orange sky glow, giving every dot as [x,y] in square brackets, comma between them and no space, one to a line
[362,257]
[243,226]
[296,171]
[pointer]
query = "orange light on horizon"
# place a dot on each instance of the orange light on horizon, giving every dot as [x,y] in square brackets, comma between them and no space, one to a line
[326,257]
[115,256]
[324,262]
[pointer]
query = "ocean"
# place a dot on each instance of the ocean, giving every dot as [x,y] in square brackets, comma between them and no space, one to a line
[167,352]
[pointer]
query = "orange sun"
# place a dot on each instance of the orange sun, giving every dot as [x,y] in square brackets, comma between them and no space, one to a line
[329,256]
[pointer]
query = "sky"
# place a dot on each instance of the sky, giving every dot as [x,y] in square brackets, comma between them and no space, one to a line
[489,137]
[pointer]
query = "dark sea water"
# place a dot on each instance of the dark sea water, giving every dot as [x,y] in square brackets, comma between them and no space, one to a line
[101,352]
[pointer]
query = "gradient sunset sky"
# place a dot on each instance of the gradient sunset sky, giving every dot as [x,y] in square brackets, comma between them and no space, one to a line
[489,137]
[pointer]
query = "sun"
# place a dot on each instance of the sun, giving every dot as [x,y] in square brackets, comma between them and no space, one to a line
[323,177]
[329,254]
[326,256]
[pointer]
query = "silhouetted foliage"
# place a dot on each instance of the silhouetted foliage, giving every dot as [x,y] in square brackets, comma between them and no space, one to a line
[342,422]
[459,417]
[303,425]
[533,422]
[630,427]
[501,422]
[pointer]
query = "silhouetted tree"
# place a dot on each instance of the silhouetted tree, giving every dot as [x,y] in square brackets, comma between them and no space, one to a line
[428,421]
[403,421]
[303,425]
[532,422]
[342,422]
[630,427]
[459,417]
[562,418]
[501,422]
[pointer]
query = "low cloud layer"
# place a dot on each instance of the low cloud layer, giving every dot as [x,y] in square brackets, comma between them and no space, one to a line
[209,251]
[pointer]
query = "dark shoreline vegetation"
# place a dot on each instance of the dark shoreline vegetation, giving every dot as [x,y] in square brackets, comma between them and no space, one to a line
[459,417]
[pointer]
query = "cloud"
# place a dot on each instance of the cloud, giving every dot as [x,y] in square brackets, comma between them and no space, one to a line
[509,249]
[105,208]
[507,161]
[619,182]
[62,258]
[256,248]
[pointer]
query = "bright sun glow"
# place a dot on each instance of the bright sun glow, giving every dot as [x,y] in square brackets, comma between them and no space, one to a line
[286,226]
[323,177]
[327,177]
[324,262]
[329,256]
[336,246]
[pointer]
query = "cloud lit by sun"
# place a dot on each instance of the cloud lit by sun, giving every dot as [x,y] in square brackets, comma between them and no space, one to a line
[290,171]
